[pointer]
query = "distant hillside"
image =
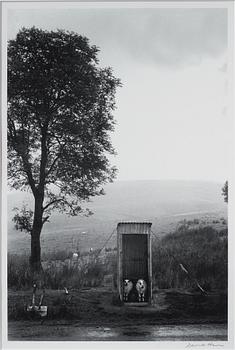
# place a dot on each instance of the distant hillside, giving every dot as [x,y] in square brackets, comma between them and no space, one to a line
[164,203]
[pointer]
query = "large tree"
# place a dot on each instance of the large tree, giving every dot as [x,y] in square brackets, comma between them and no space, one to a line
[225,191]
[60,105]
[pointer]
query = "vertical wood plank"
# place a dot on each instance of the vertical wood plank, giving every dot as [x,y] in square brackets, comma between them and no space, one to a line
[150,266]
[121,266]
[118,263]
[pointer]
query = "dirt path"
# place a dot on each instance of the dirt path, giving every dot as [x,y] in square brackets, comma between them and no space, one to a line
[50,331]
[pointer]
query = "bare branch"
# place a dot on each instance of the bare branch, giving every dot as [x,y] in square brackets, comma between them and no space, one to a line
[46,219]
[51,203]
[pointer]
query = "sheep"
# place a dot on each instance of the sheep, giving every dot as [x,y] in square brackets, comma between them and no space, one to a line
[128,285]
[75,256]
[141,287]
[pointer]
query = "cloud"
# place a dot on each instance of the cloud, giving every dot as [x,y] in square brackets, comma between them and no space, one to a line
[172,37]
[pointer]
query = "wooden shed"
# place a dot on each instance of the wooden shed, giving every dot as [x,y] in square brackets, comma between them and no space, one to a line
[134,259]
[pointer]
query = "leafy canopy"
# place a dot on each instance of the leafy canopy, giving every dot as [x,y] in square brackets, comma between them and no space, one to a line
[225,191]
[60,105]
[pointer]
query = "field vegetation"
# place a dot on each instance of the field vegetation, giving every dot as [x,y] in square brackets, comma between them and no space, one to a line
[201,250]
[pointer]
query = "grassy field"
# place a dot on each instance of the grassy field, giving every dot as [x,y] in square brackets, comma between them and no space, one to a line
[177,298]
[201,249]
[100,306]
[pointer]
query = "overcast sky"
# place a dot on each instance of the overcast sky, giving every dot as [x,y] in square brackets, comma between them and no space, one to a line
[172,114]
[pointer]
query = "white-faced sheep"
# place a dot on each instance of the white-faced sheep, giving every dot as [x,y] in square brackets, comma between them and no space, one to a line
[141,287]
[127,287]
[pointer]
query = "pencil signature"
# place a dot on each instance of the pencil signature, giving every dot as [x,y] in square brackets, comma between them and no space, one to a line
[192,345]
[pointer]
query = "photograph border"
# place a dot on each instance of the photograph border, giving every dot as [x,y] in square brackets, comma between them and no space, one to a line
[5,5]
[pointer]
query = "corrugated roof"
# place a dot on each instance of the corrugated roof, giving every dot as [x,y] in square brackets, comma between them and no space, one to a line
[134,222]
[134,227]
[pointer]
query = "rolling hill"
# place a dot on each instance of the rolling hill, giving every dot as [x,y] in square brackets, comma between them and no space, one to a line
[162,202]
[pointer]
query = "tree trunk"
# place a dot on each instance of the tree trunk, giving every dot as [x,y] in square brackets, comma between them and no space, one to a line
[35,258]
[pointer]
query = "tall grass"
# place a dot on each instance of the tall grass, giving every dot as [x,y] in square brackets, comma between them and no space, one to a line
[18,272]
[202,251]
[83,273]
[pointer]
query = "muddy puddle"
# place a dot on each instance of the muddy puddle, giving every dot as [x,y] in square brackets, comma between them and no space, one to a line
[159,333]
[206,332]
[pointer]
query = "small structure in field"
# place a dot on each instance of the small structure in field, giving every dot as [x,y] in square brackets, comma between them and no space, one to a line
[134,262]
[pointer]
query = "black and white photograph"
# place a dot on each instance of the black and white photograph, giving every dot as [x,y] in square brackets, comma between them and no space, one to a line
[117,168]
